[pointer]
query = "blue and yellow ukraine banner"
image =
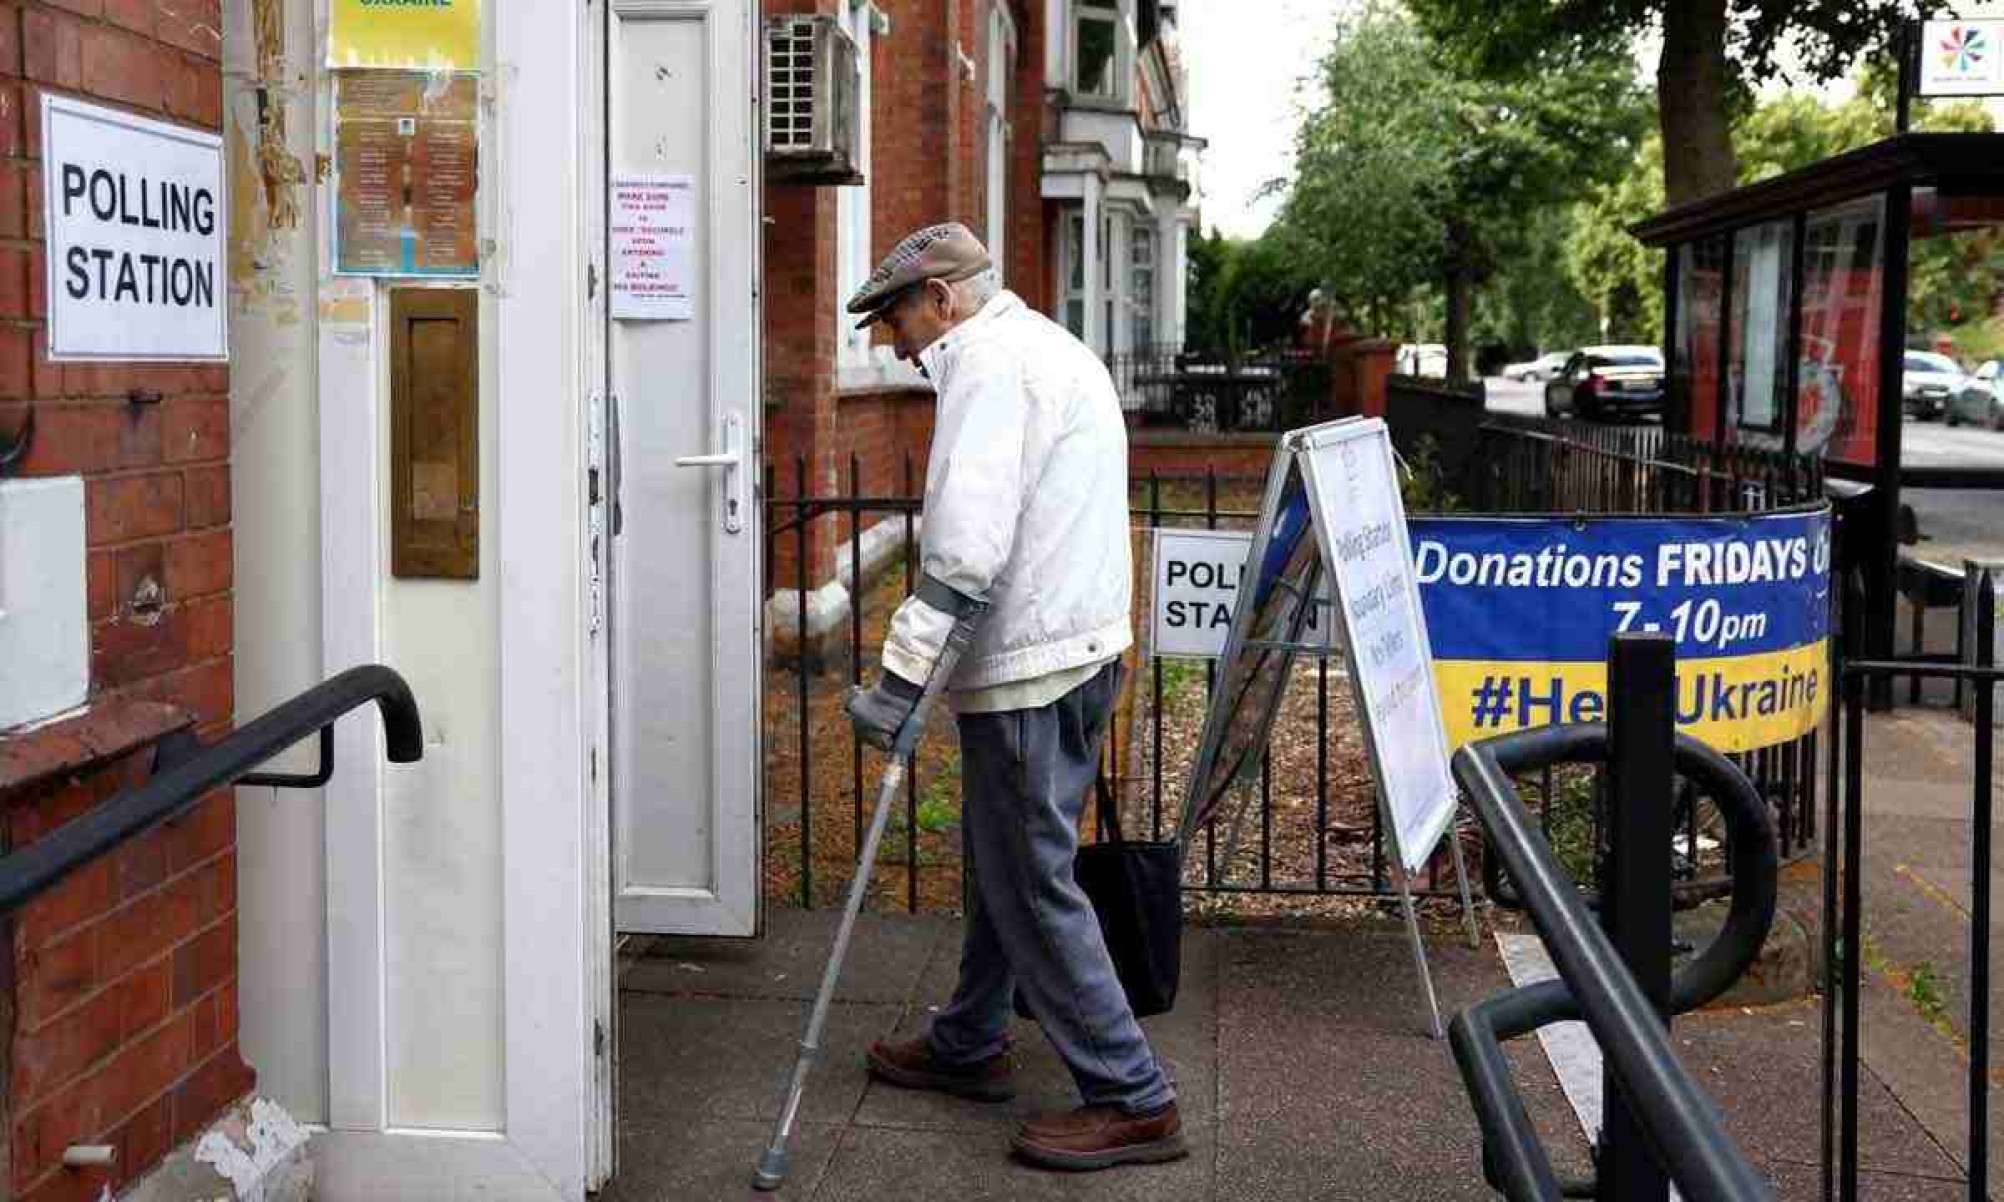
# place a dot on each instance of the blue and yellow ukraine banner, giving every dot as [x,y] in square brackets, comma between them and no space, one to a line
[1519,612]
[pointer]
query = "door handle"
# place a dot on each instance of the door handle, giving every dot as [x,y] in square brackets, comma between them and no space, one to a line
[732,460]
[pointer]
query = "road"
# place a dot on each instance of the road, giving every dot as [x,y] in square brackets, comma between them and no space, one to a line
[1954,523]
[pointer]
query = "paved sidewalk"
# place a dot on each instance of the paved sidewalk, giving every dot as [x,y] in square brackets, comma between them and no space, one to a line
[1300,1054]
[1918,825]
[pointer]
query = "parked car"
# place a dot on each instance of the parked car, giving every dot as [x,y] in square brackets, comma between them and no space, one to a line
[1927,381]
[1598,381]
[1538,370]
[1421,359]
[1979,401]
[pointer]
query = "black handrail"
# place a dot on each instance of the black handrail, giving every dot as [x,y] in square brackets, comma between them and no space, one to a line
[1595,984]
[186,772]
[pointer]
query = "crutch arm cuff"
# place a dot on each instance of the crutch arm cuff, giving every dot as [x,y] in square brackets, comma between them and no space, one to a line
[947,599]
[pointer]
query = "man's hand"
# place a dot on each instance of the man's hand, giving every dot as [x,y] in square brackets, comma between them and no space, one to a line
[881,711]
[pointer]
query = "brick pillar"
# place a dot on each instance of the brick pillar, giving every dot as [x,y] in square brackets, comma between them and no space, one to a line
[124,976]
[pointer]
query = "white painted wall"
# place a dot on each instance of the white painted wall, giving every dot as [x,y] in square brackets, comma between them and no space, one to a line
[442,821]
[44,617]
[309,388]
[275,480]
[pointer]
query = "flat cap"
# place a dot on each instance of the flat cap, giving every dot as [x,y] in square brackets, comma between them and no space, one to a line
[947,252]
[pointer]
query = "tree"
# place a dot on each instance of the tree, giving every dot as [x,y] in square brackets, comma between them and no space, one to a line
[1244,295]
[1624,279]
[1411,176]
[1713,51]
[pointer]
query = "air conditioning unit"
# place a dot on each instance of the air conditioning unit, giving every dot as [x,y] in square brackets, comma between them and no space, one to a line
[813,102]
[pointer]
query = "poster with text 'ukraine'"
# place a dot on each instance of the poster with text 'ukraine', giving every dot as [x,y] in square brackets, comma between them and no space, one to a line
[1521,610]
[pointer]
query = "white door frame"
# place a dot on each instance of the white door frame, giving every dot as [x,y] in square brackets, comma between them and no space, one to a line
[535,283]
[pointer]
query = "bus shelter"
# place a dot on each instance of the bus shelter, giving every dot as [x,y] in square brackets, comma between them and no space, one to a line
[1787,317]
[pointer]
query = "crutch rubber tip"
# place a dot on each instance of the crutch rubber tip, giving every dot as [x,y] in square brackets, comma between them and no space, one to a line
[771,1173]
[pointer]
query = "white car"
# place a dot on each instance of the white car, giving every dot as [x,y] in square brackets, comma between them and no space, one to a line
[1928,382]
[1538,370]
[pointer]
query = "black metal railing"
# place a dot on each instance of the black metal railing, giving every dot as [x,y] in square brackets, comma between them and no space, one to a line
[1549,465]
[1659,1126]
[1167,387]
[185,771]
[1845,942]
[1308,830]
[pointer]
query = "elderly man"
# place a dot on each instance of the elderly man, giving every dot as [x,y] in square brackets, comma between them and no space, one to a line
[1026,506]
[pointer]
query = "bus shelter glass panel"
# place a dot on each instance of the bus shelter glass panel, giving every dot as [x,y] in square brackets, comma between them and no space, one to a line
[1700,294]
[1955,332]
[1843,284]
[1757,371]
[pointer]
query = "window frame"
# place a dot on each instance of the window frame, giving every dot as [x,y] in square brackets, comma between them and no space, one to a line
[1113,13]
[855,212]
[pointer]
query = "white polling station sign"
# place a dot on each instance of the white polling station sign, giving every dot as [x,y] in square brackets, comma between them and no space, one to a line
[1196,585]
[1360,520]
[135,212]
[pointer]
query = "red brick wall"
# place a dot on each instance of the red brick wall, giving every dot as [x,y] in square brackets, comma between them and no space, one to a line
[1173,453]
[928,164]
[125,975]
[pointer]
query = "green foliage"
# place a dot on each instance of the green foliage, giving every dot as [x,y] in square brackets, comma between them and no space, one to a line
[1244,295]
[1407,174]
[1532,303]
[1624,279]
[1424,488]
[1180,677]
[1509,39]
[1621,278]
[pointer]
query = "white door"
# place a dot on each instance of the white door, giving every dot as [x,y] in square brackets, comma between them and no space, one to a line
[684,418]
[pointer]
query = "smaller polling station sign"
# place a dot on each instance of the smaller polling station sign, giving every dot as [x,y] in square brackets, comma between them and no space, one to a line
[1521,611]
[1196,585]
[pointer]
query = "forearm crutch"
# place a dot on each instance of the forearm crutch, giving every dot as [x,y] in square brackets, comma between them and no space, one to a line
[774,1163]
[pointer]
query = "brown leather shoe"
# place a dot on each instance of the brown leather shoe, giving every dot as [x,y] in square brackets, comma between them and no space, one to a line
[909,1063]
[1099,1137]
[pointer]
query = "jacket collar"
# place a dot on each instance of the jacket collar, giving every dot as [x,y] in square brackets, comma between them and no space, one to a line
[939,358]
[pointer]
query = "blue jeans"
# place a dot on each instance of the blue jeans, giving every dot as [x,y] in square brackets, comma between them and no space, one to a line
[1024,779]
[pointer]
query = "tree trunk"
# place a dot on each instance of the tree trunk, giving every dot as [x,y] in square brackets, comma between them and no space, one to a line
[1460,300]
[1691,80]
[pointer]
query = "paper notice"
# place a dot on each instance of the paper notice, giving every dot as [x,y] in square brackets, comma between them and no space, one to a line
[653,247]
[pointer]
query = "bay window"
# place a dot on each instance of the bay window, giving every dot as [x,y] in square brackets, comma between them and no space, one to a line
[1096,50]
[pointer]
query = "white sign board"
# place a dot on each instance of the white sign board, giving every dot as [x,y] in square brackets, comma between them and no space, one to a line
[1961,58]
[1360,520]
[135,213]
[653,247]
[1197,574]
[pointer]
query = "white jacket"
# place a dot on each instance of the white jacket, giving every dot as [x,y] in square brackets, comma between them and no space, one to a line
[1025,503]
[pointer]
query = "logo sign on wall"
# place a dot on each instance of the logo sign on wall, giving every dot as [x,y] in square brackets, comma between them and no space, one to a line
[135,211]
[1962,58]
[1522,610]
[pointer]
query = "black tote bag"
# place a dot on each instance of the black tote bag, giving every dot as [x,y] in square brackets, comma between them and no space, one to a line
[1136,890]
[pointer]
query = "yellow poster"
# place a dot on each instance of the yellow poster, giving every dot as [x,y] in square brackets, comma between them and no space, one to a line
[412,35]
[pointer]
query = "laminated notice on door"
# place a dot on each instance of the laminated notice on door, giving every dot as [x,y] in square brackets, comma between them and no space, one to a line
[653,247]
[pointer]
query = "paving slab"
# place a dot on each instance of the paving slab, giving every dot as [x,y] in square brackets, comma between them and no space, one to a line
[1363,978]
[1924,1071]
[728,1058]
[886,955]
[1185,1040]
[874,1164]
[704,1160]
[1764,1069]
[1349,1114]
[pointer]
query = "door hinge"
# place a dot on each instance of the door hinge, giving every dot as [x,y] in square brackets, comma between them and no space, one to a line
[591,280]
[598,1037]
